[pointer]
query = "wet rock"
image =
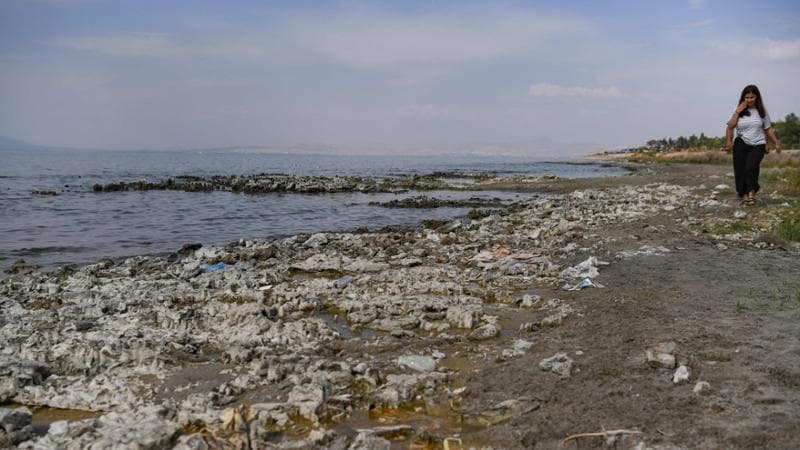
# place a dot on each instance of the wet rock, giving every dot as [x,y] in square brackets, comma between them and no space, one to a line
[15,426]
[16,374]
[402,334]
[363,316]
[316,240]
[310,399]
[14,419]
[463,316]
[188,249]
[560,364]
[396,323]
[427,325]
[194,441]
[343,282]
[143,429]
[417,362]
[21,266]
[367,440]
[392,431]
[399,389]
[484,332]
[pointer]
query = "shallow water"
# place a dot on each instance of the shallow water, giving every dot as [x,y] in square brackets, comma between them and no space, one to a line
[44,416]
[80,226]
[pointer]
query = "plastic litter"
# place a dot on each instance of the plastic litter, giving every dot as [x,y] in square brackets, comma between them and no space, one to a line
[213,268]
[586,269]
[343,282]
[584,283]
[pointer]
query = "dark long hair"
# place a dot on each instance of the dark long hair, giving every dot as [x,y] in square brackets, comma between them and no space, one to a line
[752,89]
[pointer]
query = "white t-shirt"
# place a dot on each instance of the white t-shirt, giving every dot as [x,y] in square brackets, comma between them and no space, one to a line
[751,128]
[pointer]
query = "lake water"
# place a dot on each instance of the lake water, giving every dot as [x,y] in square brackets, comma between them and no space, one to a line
[81,226]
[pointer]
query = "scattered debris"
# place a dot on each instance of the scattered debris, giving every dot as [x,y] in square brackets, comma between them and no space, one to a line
[584,283]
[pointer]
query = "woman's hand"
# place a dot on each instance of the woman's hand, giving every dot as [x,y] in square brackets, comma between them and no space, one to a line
[770,133]
[728,145]
[742,106]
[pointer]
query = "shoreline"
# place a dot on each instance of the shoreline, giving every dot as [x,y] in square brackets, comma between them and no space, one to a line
[432,333]
[479,182]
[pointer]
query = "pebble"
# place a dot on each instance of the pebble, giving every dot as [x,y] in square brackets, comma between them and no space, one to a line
[661,355]
[484,332]
[701,386]
[682,374]
[559,364]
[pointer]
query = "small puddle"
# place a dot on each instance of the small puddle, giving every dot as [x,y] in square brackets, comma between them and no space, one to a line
[427,431]
[461,363]
[44,416]
[510,318]
[191,379]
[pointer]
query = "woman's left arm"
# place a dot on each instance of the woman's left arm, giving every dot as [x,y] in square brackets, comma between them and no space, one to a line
[772,137]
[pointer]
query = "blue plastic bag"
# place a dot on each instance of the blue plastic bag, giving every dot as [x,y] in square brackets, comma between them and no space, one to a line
[213,268]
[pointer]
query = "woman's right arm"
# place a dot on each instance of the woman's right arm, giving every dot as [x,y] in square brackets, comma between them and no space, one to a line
[735,118]
[732,124]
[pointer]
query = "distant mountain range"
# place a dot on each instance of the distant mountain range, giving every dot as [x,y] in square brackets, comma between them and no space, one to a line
[7,143]
[540,147]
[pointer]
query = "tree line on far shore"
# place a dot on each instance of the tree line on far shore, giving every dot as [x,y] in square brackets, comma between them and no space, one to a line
[788,131]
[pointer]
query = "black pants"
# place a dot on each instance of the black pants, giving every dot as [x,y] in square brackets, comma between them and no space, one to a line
[746,166]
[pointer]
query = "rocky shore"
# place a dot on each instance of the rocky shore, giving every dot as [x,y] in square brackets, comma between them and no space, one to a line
[267,183]
[589,308]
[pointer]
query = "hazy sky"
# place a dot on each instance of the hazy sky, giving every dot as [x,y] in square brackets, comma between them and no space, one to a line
[407,74]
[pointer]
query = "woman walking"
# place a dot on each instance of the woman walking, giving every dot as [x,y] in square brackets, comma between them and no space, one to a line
[752,125]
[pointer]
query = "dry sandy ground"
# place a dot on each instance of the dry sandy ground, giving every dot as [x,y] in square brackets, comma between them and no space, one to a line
[733,314]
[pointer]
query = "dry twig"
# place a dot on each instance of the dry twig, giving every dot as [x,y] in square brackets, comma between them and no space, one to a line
[599,434]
